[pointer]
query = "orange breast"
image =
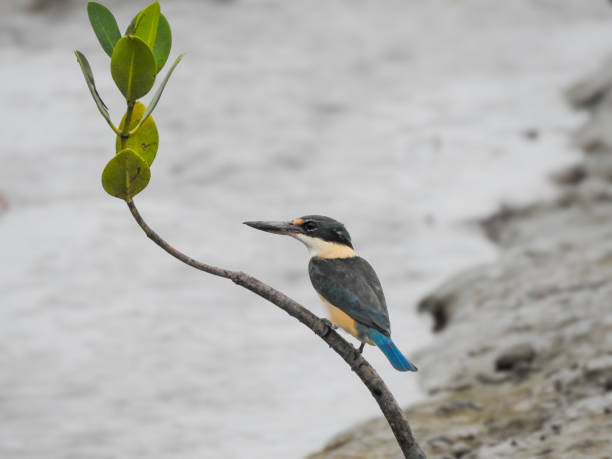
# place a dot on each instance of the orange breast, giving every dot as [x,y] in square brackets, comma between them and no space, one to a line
[343,320]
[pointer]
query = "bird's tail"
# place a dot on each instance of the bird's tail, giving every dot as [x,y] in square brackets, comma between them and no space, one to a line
[394,355]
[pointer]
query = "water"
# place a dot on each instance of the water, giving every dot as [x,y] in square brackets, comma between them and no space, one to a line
[405,120]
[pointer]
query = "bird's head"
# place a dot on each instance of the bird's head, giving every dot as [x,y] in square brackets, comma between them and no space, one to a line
[323,236]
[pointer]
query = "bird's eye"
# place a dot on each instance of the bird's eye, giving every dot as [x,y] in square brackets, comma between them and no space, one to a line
[309,226]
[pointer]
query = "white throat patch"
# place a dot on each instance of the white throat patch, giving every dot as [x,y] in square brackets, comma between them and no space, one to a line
[324,249]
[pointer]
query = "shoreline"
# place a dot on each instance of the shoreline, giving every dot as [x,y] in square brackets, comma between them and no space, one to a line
[521,364]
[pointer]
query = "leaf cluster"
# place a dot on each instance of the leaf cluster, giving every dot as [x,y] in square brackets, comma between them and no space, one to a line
[135,60]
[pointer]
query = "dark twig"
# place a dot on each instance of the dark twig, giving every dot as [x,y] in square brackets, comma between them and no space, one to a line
[388,405]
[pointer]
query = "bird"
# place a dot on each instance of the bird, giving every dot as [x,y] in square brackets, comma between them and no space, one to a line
[347,283]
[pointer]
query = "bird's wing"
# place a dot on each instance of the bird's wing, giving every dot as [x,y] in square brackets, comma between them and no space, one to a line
[352,286]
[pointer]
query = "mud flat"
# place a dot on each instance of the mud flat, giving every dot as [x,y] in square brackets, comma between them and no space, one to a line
[522,363]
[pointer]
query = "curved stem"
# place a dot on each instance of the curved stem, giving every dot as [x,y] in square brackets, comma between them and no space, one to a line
[377,387]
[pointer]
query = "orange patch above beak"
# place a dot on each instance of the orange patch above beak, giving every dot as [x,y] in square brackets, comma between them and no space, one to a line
[297,221]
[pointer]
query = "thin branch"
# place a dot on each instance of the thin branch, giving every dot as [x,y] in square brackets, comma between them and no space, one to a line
[383,396]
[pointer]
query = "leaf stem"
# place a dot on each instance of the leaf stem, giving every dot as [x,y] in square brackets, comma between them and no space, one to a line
[156,97]
[113,127]
[125,132]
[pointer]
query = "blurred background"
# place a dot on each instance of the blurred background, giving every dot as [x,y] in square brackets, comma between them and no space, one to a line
[405,120]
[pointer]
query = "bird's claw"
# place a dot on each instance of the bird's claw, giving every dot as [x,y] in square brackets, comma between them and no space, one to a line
[330,326]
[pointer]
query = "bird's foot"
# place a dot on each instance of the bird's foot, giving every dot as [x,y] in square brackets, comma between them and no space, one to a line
[330,326]
[359,351]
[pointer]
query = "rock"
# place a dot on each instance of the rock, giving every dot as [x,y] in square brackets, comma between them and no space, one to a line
[438,306]
[484,378]
[599,371]
[588,93]
[441,304]
[594,136]
[515,356]
[458,406]
[570,176]
[460,449]
[496,226]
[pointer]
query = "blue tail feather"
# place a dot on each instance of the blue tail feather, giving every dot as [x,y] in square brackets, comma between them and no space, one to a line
[394,355]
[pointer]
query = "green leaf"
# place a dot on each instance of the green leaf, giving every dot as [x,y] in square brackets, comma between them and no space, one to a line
[163,43]
[126,175]
[104,26]
[88,74]
[145,140]
[133,67]
[147,23]
[158,94]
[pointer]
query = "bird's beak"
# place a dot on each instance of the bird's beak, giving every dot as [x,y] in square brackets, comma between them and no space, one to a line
[275,227]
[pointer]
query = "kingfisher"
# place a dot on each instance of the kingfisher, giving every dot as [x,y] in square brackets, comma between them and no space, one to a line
[347,283]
